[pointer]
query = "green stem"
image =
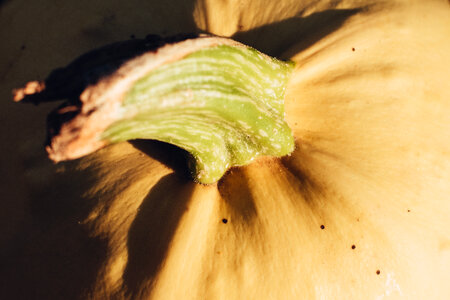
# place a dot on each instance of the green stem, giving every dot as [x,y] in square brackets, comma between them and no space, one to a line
[221,101]
[224,105]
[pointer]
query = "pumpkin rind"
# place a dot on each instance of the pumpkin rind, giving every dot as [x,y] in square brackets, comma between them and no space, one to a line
[371,165]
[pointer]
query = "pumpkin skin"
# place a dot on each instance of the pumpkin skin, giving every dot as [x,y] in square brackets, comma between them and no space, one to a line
[371,165]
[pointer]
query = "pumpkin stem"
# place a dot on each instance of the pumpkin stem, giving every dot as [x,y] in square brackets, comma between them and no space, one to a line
[221,101]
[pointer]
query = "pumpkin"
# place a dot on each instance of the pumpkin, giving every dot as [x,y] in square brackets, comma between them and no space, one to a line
[360,209]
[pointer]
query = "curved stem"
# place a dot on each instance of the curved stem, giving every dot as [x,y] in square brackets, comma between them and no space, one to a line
[221,101]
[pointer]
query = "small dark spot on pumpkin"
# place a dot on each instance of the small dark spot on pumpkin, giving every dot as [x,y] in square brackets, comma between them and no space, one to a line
[353,246]
[353,49]
[224,221]
[409,210]
[378,272]
[322,226]
[357,220]
[240,27]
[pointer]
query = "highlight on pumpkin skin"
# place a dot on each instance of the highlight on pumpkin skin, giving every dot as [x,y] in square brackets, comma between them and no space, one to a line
[221,101]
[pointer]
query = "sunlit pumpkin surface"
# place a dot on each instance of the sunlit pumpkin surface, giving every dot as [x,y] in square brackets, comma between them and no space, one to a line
[360,210]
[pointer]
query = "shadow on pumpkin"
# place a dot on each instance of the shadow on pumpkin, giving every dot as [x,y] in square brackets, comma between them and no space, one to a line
[296,169]
[297,32]
[54,257]
[236,194]
[236,186]
[325,202]
[152,230]
[171,156]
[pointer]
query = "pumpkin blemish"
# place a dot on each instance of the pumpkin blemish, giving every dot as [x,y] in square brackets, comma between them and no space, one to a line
[322,226]
[224,221]
[378,272]
[353,246]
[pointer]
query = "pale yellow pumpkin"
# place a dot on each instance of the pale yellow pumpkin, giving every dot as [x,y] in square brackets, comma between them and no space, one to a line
[360,210]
